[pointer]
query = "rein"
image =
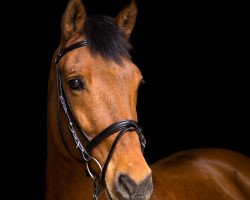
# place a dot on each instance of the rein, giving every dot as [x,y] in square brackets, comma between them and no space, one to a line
[122,127]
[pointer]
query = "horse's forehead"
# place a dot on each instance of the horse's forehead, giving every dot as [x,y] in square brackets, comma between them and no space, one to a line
[83,61]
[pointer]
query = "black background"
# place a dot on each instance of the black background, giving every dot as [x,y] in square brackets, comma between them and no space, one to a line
[191,56]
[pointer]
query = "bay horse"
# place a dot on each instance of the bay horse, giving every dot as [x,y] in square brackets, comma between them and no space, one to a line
[92,119]
[93,129]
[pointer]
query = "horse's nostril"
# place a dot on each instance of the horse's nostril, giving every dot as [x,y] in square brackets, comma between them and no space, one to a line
[128,189]
[126,183]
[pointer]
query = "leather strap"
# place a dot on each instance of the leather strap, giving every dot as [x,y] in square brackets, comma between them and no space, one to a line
[113,128]
[67,110]
[76,45]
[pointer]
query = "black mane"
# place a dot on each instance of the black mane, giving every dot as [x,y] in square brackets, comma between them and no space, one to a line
[107,38]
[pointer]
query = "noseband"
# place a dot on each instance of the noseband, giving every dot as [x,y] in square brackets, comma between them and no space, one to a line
[121,127]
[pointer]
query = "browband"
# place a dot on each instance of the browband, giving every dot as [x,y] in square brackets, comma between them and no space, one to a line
[76,45]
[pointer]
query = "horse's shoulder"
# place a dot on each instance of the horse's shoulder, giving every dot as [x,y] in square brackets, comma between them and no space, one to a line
[199,171]
[203,160]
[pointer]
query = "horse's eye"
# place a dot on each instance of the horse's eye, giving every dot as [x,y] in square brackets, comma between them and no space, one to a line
[76,84]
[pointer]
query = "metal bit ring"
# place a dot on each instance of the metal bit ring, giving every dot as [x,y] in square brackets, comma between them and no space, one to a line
[88,168]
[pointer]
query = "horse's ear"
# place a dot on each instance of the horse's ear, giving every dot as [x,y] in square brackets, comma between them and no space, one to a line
[127,17]
[73,20]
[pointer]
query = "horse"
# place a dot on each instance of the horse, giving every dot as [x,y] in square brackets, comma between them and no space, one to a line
[92,119]
[95,144]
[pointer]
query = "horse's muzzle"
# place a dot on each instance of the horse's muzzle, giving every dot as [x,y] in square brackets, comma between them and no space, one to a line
[127,189]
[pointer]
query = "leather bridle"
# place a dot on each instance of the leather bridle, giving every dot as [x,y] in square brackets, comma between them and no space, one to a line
[121,127]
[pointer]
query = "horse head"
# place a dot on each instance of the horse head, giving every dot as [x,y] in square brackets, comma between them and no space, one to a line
[97,85]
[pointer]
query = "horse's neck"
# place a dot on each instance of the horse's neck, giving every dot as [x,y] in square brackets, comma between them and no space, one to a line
[66,179]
